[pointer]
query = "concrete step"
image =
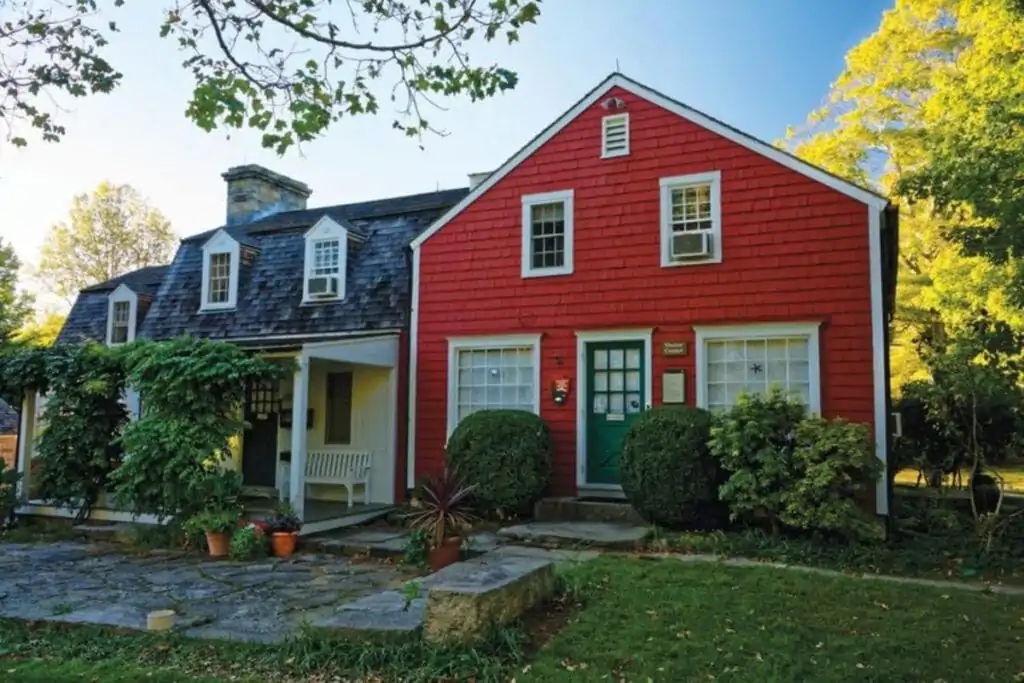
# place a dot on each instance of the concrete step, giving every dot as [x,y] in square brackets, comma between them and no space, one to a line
[573,534]
[585,510]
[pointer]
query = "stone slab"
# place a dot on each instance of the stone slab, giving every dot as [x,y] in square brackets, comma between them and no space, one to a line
[387,611]
[597,534]
[560,556]
[466,600]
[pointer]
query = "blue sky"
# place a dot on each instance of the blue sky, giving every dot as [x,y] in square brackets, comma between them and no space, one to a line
[759,65]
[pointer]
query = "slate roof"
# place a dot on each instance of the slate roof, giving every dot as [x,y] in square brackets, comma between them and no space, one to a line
[8,419]
[378,281]
[88,317]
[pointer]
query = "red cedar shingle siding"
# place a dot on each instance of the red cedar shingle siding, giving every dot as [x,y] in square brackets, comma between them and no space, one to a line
[793,250]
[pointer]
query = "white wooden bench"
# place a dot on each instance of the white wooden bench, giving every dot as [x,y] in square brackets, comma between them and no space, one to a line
[342,468]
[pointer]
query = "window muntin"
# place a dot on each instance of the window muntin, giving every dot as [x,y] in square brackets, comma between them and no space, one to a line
[494,378]
[219,280]
[120,322]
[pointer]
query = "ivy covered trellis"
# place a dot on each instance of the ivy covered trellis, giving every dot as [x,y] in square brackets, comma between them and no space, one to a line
[170,462]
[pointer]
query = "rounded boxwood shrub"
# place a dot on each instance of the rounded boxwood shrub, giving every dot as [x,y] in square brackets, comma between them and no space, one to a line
[668,474]
[506,456]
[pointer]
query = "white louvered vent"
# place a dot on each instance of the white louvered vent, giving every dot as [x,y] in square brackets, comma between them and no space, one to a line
[615,136]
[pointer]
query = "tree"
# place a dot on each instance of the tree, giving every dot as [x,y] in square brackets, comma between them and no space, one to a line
[15,307]
[42,331]
[109,233]
[288,68]
[880,124]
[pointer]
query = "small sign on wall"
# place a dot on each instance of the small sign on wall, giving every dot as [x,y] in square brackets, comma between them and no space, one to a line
[673,348]
[673,386]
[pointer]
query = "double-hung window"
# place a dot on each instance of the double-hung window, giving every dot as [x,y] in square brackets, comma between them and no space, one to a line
[219,279]
[491,374]
[221,262]
[327,245]
[753,359]
[691,222]
[547,234]
[120,322]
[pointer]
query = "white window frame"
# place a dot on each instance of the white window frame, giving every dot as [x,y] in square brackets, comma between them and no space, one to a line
[811,330]
[566,197]
[220,243]
[325,230]
[122,295]
[457,344]
[713,178]
[605,122]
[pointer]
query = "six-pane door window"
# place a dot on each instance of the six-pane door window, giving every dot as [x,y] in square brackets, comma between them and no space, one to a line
[736,366]
[220,278]
[547,235]
[494,378]
[616,381]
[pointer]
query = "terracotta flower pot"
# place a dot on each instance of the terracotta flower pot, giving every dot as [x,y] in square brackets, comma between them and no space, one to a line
[282,543]
[447,553]
[217,542]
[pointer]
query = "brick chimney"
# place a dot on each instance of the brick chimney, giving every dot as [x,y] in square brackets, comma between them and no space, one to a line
[255,192]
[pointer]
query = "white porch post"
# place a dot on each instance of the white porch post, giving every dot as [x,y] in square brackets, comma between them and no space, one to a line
[26,444]
[300,403]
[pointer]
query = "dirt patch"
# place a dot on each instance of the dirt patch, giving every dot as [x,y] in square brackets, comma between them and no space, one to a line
[542,622]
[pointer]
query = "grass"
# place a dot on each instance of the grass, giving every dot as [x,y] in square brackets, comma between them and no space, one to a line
[1012,474]
[55,653]
[663,620]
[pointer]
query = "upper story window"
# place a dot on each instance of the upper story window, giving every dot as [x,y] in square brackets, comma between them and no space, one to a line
[326,257]
[615,136]
[121,314]
[691,223]
[221,262]
[547,234]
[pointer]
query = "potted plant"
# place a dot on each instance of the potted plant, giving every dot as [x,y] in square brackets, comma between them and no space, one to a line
[283,527]
[443,514]
[216,524]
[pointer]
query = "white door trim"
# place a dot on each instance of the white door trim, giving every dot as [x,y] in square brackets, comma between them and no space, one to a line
[583,338]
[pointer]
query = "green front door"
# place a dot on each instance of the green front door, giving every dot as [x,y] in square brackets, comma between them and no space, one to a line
[615,397]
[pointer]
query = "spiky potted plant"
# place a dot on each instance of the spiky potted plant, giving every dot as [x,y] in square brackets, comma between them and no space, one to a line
[283,526]
[444,514]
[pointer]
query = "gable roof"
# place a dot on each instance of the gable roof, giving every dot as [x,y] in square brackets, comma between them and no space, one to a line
[617,80]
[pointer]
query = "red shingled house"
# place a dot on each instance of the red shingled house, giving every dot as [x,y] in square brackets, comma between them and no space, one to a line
[643,253]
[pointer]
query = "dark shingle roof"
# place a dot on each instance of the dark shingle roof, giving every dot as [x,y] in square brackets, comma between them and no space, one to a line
[270,290]
[8,419]
[143,281]
[88,317]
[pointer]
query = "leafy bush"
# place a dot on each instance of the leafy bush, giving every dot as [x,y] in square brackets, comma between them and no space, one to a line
[922,446]
[506,455]
[283,520]
[9,479]
[218,521]
[668,473]
[835,468]
[194,391]
[78,445]
[247,543]
[754,443]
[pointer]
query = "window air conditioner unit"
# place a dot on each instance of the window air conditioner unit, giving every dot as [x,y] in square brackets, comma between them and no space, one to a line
[323,287]
[691,245]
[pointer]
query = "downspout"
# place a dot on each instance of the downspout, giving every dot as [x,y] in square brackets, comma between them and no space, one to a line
[890,241]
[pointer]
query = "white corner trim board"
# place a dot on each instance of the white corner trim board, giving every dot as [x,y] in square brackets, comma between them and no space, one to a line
[879,349]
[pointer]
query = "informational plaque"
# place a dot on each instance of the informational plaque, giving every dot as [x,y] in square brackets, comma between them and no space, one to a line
[673,349]
[673,386]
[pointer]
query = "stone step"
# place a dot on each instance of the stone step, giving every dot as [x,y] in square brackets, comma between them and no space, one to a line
[585,510]
[611,535]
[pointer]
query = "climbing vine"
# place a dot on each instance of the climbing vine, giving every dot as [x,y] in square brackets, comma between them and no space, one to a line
[192,397]
[77,447]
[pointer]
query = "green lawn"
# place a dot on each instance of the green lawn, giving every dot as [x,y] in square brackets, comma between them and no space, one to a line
[663,620]
[641,620]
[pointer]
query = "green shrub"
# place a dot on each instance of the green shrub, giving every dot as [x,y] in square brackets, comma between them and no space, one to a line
[668,473]
[835,467]
[211,522]
[506,455]
[9,479]
[754,443]
[247,544]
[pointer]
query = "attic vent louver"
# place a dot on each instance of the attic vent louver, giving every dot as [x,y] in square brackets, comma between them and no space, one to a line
[615,136]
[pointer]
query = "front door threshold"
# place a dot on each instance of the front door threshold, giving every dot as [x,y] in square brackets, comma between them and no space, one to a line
[600,491]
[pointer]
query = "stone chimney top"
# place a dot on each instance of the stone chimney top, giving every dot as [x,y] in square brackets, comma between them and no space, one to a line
[255,192]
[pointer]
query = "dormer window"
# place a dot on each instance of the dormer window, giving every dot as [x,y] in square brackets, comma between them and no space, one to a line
[326,256]
[121,315]
[220,272]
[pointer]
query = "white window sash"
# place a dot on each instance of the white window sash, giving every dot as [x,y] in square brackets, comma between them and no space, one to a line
[564,197]
[712,179]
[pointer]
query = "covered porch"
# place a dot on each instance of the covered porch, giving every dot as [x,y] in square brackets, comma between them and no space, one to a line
[325,440]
